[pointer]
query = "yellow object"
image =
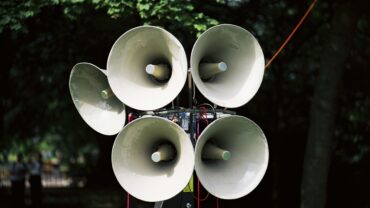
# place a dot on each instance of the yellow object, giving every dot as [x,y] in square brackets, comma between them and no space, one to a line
[190,186]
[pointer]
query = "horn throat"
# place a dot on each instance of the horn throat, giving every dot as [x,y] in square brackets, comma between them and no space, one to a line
[214,152]
[165,152]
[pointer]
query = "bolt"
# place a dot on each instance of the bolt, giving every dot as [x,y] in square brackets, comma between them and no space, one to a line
[188,205]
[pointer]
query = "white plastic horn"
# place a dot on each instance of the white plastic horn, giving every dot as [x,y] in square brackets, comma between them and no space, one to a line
[231,157]
[227,65]
[153,159]
[147,68]
[94,99]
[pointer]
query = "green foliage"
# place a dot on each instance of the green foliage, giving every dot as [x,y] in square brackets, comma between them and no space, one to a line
[13,13]
[176,14]
[166,13]
[115,8]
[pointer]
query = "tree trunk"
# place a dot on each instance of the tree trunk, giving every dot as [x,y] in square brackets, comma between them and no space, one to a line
[317,157]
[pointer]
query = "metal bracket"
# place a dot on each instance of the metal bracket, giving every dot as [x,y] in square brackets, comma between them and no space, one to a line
[158,204]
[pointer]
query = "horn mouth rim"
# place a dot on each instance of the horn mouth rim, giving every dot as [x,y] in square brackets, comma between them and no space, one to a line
[244,93]
[199,163]
[184,167]
[119,119]
[166,91]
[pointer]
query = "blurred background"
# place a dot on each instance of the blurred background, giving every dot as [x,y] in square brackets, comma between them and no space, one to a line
[313,104]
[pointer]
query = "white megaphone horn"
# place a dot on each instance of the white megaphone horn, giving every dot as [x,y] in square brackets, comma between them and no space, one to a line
[231,157]
[153,159]
[94,99]
[147,68]
[227,65]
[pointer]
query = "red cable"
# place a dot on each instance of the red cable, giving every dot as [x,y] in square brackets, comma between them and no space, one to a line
[197,130]
[291,34]
[130,118]
[196,138]
[203,115]
[217,205]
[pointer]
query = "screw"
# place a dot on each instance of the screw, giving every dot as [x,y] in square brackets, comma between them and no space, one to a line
[188,205]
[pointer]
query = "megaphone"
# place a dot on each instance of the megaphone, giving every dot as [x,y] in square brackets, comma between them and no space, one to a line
[153,159]
[94,99]
[147,68]
[231,157]
[227,65]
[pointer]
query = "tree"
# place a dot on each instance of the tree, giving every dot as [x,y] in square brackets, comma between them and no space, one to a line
[324,105]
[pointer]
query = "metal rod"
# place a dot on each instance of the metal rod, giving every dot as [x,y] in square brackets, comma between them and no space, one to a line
[165,152]
[208,70]
[213,152]
[186,110]
[158,71]
[190,90]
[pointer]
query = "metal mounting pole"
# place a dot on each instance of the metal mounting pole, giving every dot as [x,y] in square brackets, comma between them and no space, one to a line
[158,204]
[190,90]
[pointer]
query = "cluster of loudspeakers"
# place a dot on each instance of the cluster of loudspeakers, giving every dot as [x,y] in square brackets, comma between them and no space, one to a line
[153,158]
